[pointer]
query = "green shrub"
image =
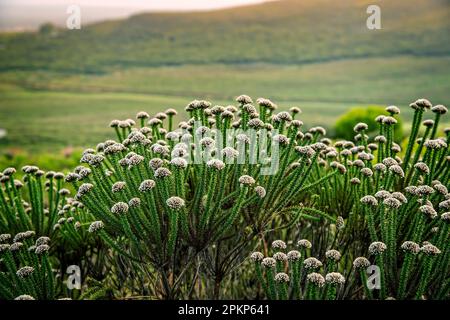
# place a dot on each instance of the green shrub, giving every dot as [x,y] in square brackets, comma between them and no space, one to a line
[344,125]
[170,211]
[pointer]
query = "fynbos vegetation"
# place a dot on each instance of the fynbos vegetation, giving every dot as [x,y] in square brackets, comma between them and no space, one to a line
[171,211]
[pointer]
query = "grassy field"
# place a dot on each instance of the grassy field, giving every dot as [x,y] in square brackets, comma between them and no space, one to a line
[61,90]
[45,111]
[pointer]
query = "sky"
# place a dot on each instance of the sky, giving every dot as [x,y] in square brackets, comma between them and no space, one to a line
[29,14]
[143,4]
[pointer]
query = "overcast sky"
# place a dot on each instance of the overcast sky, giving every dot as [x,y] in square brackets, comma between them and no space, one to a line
[30,14]
[147,4]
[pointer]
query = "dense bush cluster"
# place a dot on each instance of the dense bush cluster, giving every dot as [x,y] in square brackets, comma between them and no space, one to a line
[169,212]
[343,128]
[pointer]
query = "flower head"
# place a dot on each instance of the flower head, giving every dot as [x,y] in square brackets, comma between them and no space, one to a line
[424,190]
[16,246]
[411,247]
[333,255]
[366,172]
[441,188]
[361,263]
[399,196]
[293,255]
[142,115]
[421,104]
[281,277]
[260,191]
[230,153]
[244,99]
[147,185]
[179,163]
[430,250]
[246,180]
[156,163]
[118,186]
[280,256]
[396,169]
[295,110]
[269,262]
[429,211]
[120,208]
[360,127]
[389,121]
[162,173]
[393,110]
[25,272]
[383,194]
[215,164]
[392,203]
[134,202]
[312,263]
[445,204]
[84,189]
[175,203]
[4,237]
[428,123]
[43,248]
[42,240]
[96,226]
[377,248]
[266,103]
[439,109]
[334,278]
[369,200]
[257,256]
[316,279]
[24,297]
[304,244]
[23,236]
[279,244]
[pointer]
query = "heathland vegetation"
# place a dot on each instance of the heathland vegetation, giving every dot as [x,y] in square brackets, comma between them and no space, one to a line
[156,205]
[167,210]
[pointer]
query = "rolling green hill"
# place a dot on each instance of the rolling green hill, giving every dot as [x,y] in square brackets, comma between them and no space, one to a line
[61,89]
[281,32]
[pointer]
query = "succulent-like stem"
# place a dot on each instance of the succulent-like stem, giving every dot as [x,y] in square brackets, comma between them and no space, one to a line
[404,275]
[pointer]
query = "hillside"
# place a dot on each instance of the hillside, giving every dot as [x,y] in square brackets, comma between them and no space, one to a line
[62,90]
[280,32]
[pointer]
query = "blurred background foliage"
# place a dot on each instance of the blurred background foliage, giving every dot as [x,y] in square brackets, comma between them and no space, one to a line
[60,88]
[344,125]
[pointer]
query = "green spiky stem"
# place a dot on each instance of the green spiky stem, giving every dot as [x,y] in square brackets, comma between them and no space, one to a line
[173,232]
[105,237]
[282,290]
[380,263]
[270,276]
[311,291]
[331,292]
[235,210]
[404,274]
[412,138]
[295,276]
[363,275]
[424,279]
[260,277]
